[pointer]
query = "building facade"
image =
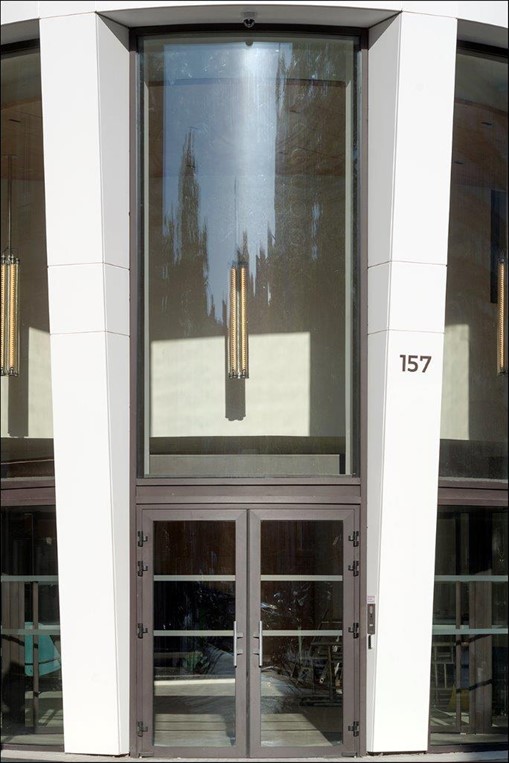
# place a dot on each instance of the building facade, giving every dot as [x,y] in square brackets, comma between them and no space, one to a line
[254,377]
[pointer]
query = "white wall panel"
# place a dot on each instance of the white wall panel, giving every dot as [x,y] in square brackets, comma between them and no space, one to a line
[55,8]
[72,171]
[409,231]
[417,294]
[378,304]
[384,43]
[13,12]
[85,65]
[486,12]
[116,289]
[424,135]
[76,298]
[113,42]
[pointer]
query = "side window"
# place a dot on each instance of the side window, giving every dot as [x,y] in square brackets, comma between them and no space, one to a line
[26,413]
[474,401]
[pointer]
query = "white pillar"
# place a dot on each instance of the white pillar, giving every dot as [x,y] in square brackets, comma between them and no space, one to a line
[85,89]
[411,100]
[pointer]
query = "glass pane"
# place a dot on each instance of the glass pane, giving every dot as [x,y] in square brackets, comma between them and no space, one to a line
[31,666]
[302,627]
[469,652]
[194,614]
[474,397]
[249,241]
[26,415]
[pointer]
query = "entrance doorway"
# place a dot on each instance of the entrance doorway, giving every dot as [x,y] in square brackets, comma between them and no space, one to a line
[249,631]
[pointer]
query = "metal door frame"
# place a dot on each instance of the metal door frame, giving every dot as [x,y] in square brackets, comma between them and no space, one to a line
[343,514]
[247,588]
[145,650]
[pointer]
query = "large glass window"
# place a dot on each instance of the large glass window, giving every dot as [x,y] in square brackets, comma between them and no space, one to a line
[249,146]
[469,687]
[26,412]
[474,400]
[31,666]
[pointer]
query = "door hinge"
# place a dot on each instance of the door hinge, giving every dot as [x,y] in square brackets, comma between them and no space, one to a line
[142,538]
[141,630]
[354,567]
[354,728]
[354,630]
[141,728]
[141,569]
[354,538]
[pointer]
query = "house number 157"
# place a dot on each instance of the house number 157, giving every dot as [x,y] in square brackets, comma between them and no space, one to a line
[415,363]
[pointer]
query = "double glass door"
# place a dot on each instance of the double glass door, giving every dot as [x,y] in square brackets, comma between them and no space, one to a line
[247,632]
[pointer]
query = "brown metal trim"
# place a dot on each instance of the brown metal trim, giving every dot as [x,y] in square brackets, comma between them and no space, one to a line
[469,484]
[35,496]
[348,746]
[248,494]
[305,492]
[361,595]
[135,667]
[26,482]
[233,482]
[472,497]
[170,482]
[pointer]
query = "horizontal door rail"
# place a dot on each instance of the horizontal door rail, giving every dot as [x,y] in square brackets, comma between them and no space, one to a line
[452,630]
[44,579]
[49,630]
[471,578]
[297,578]
[184,634]
[298,632]
[193,578]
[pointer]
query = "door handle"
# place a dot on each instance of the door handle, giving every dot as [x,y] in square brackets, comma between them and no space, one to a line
[259,636]
[236,635]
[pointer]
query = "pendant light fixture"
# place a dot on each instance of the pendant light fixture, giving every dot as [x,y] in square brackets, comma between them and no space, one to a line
[238,361]
[502,317]
[9,293]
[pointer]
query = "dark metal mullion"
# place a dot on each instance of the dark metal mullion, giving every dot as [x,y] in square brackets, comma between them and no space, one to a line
[458,655]
[241,671]
[348,640]
[35,654]
[252,643]
[147,642]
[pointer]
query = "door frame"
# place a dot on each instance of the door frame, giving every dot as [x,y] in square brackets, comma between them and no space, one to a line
[341,491]
[248,517]
[146,639]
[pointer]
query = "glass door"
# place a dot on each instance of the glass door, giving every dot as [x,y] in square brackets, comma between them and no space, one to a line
[221,678]
[302,623]
[193,632]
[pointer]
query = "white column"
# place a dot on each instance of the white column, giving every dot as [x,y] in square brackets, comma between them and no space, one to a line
[411,99]
[85,90]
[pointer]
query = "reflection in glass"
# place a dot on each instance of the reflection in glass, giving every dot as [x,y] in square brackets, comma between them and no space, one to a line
[249,240]
[474,396]
[31,666]
[302,633]
[194,616]
[469,652]
[26,415]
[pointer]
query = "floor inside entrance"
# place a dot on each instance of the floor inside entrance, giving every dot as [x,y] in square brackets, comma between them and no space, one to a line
[201,712]
[445,720]
[49,716]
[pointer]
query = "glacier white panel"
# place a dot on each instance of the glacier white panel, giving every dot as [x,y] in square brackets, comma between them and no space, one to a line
[407,230]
